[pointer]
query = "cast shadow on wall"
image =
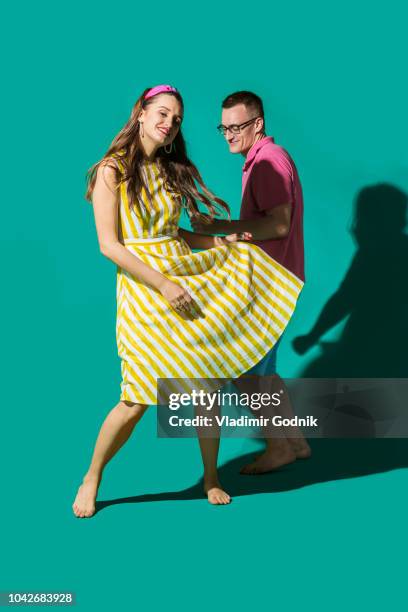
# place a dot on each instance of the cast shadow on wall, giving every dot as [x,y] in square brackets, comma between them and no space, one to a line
[374,341]
[373,295]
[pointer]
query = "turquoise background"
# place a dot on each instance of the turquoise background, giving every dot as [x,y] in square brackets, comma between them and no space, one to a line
[327,533]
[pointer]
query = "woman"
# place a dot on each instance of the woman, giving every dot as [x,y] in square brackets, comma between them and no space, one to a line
[214,313]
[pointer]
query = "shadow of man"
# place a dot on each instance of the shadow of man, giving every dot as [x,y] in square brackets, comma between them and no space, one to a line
[373,295]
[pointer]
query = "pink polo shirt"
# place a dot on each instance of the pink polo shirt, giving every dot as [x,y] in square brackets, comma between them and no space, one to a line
[270,179]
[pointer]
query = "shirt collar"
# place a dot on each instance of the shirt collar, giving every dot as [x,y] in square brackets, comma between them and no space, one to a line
[254,150]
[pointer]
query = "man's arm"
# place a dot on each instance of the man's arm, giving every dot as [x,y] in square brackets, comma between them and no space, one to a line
[200,241]
[274,226]
[197,240]
[272,193]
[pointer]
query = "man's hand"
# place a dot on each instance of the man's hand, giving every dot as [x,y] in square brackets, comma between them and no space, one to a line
[301,344]
[243,236]
[246,236]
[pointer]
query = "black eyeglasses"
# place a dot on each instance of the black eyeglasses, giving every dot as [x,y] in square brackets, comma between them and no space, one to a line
[234,128]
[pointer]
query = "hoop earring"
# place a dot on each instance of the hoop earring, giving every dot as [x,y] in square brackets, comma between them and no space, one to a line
[170,150]
[141,130]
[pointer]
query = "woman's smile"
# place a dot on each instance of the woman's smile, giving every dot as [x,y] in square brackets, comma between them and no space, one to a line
[163,131]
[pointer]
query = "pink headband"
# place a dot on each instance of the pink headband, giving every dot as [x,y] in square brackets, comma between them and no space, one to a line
[160,89]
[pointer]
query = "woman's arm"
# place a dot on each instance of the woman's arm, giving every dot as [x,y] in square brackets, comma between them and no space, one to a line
[105,200]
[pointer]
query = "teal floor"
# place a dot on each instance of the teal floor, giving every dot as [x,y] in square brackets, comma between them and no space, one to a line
[327,533]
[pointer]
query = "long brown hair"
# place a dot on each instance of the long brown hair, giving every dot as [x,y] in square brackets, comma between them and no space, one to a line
[180,175]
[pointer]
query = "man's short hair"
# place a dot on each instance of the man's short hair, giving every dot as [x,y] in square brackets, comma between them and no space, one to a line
[250,100]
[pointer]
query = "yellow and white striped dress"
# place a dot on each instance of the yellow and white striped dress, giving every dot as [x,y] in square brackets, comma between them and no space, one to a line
[244,300]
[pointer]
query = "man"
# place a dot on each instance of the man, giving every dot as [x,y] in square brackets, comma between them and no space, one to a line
[272,211]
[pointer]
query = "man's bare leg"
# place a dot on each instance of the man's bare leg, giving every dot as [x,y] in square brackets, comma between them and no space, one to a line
[114,432]
[288,444]
[294,434]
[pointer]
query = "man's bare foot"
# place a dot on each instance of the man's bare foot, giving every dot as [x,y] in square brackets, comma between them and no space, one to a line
[270,460]
[216,495]
[84,504]
[300,447]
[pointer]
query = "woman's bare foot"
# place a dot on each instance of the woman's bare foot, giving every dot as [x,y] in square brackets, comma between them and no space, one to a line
[275,457]
[84,504]
[216,495]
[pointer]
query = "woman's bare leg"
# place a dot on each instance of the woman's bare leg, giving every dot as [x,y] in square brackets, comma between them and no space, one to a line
[114,432]
[209,452]
[209,448]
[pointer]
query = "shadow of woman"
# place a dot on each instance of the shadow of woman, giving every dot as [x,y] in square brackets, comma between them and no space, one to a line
[331,460]
[373,295]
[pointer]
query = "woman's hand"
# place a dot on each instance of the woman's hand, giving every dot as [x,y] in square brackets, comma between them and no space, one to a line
[178,297]
[236,237]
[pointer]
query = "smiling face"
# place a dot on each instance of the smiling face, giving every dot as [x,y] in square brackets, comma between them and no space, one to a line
[161,120]
[236,115]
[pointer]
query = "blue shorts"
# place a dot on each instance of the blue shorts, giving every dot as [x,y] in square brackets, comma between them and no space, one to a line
[267,365]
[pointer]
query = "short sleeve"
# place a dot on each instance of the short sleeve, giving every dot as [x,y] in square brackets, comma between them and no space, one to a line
[272,183]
